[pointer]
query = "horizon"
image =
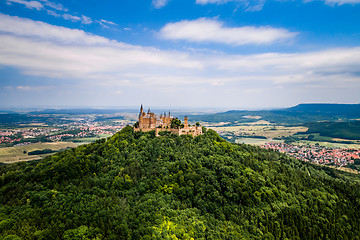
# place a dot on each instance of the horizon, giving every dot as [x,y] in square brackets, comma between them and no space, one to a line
[155,109]
[218,54]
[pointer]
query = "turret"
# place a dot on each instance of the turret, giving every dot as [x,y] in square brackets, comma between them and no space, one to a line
[141,110]
[186,122]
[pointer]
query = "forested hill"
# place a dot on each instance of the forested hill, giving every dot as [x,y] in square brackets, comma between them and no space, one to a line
[348,110]
[138,186]
[302,113]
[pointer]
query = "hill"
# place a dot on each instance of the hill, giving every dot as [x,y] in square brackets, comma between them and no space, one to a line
[299,114]
[345,130]
[327,109]
[138,186]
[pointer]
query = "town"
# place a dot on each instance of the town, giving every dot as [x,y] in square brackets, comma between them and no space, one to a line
[317,154]
[74,130]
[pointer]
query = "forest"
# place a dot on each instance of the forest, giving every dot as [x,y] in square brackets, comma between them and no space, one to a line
[134,185]
[345,130]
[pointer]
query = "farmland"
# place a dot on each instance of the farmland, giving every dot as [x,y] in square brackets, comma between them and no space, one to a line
[268,131]
[20,153]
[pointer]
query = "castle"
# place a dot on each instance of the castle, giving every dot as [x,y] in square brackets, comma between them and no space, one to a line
[149,122]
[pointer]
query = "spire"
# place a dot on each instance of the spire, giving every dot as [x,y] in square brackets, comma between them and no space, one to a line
[149,111]
[141,110]
[169,113]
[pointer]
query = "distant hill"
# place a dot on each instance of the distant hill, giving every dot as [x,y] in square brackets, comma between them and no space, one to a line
[346,110]
[299,114]
[138,186]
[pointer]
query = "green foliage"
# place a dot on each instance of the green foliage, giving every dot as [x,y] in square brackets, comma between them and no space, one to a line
[176,123]
[38,152]
[346,130]
[138,186]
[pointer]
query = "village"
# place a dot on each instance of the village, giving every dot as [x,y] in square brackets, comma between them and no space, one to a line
[317,154]
[60,132]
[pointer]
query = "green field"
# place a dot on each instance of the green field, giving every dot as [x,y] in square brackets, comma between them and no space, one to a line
[16,154]
[92,139]
[256,141]
[268,131]
[327,144]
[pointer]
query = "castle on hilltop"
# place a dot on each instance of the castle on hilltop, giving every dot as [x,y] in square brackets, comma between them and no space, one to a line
[150,121]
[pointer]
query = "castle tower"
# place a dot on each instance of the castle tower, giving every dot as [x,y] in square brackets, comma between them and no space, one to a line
[141,117]
[186,122]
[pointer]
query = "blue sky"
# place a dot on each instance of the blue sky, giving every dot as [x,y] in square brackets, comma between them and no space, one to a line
[235,54]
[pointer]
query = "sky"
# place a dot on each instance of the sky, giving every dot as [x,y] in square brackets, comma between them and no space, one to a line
[230,54]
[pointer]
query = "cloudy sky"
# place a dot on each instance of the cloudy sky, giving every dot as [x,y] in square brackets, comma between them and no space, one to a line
[237,54]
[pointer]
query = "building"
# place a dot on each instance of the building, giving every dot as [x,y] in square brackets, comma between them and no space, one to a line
[150,121]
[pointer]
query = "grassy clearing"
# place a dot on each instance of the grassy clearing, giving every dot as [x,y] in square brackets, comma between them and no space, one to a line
[345,169]
[16,154]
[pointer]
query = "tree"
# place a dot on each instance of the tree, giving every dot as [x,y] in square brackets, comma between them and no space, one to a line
[175,123]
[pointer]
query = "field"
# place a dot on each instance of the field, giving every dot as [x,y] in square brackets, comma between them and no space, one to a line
[16,154]
[268,131]
[328,144]
[256,141]
[244,133]
[89,140]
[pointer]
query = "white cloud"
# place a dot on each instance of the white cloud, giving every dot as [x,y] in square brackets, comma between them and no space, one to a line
[41,49]
[32,88]
[46,4]
[257,5]
[209,30]
[71,17]
[53,13]
[249,5]
[40,30]
[83,19]
[338,2]
[45,50]
[86,20]
[29,4]
[159,3]
[56,6]
[108,22]
[203,2]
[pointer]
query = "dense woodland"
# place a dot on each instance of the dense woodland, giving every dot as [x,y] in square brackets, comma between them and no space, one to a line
[138,186]
[346,130]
